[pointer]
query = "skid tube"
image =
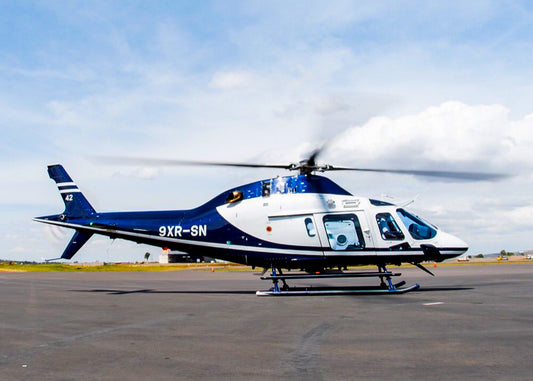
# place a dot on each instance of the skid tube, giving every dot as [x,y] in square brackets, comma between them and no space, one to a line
[385,288]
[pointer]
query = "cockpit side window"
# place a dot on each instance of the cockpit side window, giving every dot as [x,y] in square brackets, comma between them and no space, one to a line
[310,226]
[388,228]
[344,232]
[416,227]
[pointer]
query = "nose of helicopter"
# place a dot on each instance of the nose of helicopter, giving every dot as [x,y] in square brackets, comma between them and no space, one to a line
[452,245]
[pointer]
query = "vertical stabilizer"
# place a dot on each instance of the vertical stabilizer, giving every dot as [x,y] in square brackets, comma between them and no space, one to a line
[77,241]
[76,205]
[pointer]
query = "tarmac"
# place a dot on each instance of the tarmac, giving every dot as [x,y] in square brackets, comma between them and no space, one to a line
[469,322]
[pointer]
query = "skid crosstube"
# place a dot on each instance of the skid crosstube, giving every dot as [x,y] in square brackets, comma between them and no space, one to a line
[331,275]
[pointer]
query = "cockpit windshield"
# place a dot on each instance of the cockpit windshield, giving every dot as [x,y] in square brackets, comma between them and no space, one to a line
[416,227]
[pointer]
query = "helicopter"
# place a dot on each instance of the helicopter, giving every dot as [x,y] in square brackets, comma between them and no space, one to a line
[303,221]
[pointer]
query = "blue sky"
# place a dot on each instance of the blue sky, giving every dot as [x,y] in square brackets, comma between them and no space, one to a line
[402,84]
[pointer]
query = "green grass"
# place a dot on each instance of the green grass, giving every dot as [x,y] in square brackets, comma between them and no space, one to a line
[66,267]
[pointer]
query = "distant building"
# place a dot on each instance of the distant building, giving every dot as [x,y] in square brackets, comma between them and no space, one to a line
[169,256]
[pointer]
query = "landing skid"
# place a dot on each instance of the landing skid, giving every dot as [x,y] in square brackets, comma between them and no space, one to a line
[387,287]
[338,291]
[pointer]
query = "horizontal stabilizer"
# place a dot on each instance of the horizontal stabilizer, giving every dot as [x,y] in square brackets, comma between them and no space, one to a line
[77,241]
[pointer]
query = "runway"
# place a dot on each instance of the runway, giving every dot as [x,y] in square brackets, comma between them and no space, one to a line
[470,322]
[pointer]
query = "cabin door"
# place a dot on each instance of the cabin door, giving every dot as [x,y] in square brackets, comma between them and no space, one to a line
[344,233]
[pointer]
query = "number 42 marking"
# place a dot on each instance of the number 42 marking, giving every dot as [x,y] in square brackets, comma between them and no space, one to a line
[68,197]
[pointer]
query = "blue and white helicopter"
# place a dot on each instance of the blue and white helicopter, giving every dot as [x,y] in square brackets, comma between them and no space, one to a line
[304,222]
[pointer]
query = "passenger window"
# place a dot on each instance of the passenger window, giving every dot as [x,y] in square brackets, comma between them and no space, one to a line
[310,226]
[416,227]
[344,232]
[388,228]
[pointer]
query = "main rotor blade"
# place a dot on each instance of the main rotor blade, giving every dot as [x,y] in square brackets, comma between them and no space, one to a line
[443,174]
[175,162]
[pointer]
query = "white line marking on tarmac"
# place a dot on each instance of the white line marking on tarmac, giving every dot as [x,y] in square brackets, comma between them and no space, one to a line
[433,304]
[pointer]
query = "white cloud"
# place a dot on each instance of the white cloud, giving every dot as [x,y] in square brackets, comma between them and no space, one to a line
[454,134]
[139,172]
[18,250]
[231,80]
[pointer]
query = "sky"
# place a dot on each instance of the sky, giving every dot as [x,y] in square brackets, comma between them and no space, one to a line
[389,84]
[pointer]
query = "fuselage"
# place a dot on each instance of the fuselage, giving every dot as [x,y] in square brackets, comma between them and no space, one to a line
[302,221]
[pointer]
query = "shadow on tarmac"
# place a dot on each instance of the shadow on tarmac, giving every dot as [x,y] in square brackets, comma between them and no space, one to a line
[147,291]
[432,289]
[241,292]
